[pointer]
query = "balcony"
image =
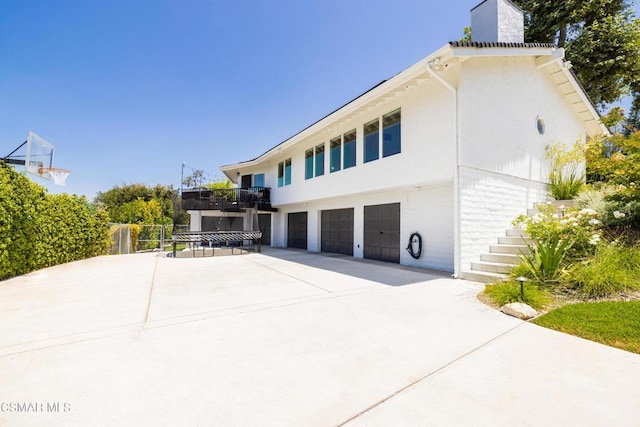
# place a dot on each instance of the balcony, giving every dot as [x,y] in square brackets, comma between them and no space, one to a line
[228,199]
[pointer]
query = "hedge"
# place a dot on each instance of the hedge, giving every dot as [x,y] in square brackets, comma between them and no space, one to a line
[39,230]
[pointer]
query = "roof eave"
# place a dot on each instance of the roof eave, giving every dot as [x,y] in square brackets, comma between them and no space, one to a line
[362,100]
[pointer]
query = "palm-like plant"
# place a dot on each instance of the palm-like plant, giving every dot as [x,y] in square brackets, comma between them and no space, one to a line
[545,258]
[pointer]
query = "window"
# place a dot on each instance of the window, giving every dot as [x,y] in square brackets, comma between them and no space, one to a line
[320,160]
[308,164]
[258,180]
[371,140]
[335,154]
[287,172]
[540,125]
[284,173]
[350,149]
[391,134]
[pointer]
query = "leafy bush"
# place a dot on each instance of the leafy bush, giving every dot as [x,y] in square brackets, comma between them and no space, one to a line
[612,270]
[578,227]
[39,230]
[615,163]
[507,292]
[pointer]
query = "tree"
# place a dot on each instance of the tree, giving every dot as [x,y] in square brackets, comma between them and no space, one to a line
[195,180]
[601,38]
[222,183]
[121,203]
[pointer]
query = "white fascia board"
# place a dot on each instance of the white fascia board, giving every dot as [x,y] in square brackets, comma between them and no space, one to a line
[369,97]
[477,52]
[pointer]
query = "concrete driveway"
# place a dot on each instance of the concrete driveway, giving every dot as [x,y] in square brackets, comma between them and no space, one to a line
[288,338]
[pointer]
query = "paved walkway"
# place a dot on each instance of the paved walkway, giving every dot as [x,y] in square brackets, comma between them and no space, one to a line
[288,338]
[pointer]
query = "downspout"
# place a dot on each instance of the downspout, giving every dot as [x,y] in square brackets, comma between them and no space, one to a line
[431,69]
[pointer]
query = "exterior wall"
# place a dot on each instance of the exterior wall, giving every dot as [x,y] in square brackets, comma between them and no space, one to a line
[503,169]
[426,159]
[489,203]
[427,210]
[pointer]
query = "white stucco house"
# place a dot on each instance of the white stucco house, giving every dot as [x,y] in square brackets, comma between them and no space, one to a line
[452,148]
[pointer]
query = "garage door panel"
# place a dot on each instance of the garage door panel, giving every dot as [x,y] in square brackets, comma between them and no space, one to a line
[336,231]
[297,230]
[382,232]
[264,224]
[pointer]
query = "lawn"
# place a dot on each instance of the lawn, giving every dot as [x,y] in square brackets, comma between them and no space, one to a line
[614,323]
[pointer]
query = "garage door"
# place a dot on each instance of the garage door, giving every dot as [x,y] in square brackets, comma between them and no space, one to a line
[297,230]
[382,232]
[264,224]
[222,223]
[337,231]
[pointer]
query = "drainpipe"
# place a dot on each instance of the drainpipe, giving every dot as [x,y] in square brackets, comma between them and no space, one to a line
[431,69]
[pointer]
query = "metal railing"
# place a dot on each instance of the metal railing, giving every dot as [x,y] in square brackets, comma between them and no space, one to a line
[228,199]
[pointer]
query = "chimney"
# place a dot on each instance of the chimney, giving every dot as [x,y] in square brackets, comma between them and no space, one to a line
[497,21]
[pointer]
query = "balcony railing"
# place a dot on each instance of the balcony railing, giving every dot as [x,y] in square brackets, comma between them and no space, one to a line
[227,199]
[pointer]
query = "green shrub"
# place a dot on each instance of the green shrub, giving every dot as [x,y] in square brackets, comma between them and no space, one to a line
[507,292]
[39,230]
[612,270]
[579,227]
[565,186]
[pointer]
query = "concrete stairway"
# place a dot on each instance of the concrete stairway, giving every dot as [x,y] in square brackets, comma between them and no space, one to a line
[498,263]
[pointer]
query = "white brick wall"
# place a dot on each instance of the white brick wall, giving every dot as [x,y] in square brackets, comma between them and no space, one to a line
[488,203]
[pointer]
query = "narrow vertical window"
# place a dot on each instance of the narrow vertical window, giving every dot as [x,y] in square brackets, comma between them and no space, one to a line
[372,140]
[335,154]
[350,149]
[280,174]
[391,143]
[308,164]
[287,172]
[320,160]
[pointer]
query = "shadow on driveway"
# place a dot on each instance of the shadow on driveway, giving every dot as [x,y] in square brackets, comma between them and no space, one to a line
[384,273]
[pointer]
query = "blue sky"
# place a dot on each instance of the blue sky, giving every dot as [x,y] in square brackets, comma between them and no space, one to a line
[127,90]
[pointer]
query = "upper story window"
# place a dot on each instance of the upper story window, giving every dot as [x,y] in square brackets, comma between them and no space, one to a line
[391,143]
[284,173]
[391,137]
[308,164]
[287,172]
[372,140]
[335,154]
[314,162]
[258,180]
[343,148]
[349,144]
[320,160]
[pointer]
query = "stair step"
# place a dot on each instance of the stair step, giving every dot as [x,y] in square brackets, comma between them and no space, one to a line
[510,249]
[511,259]
[483,276]
[491,267]
[514,232]
[515,240]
